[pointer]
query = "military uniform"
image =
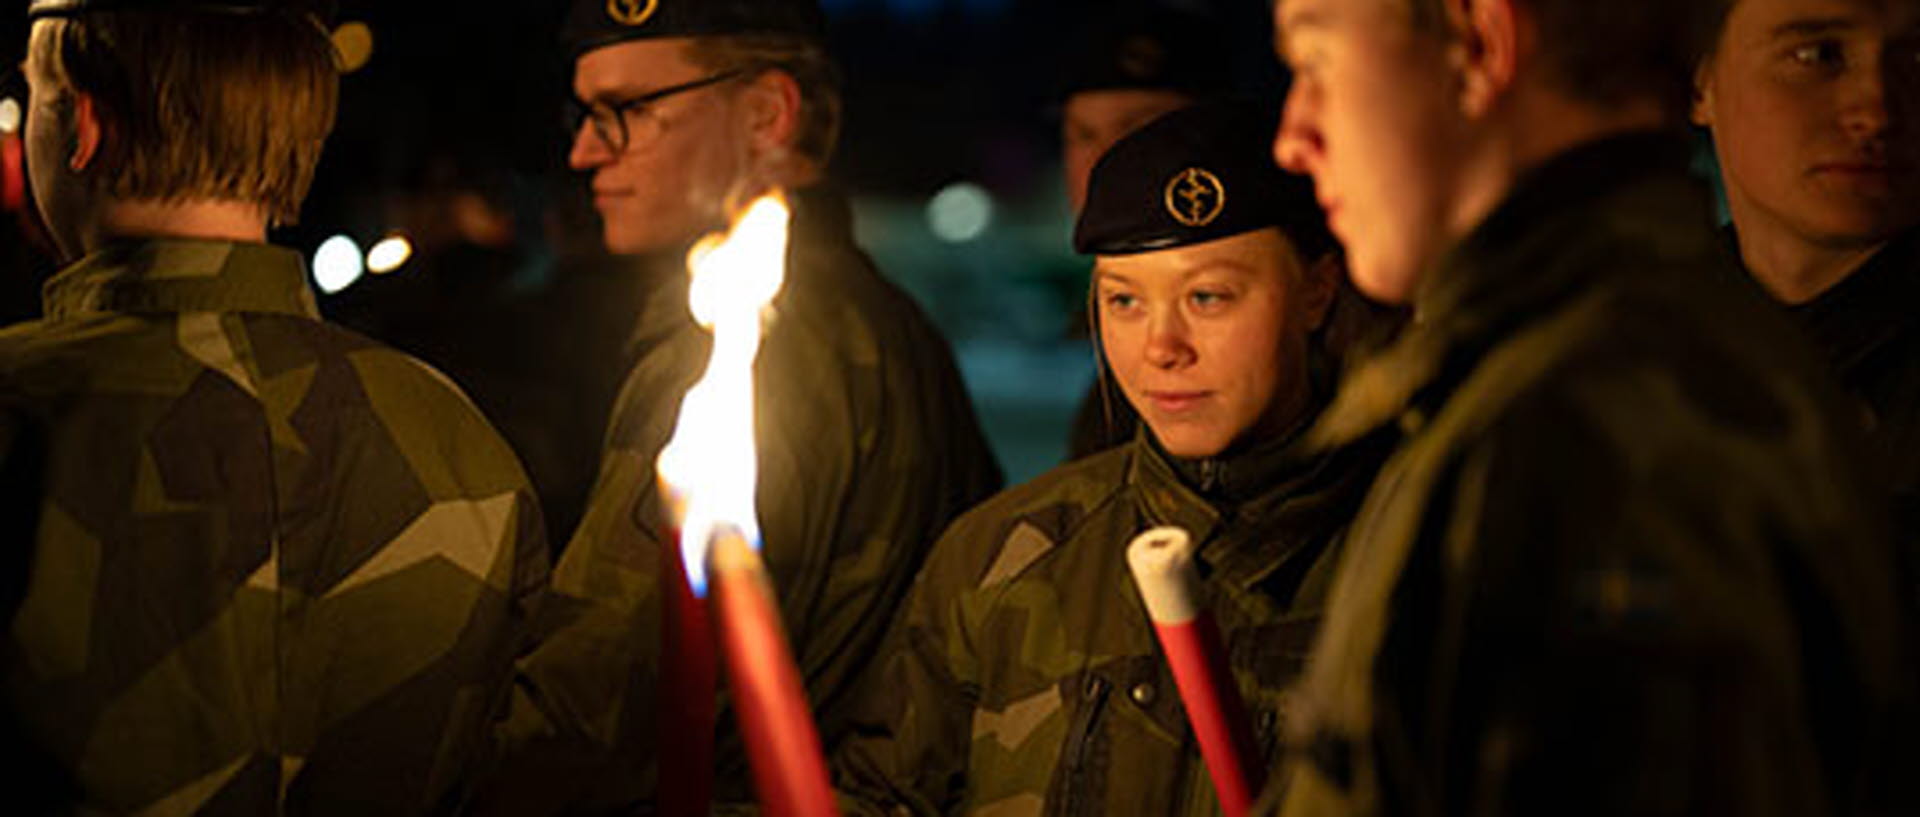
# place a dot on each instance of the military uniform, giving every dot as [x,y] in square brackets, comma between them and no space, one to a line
[1026,679]
[1620,564]
[261,565]
[868,447]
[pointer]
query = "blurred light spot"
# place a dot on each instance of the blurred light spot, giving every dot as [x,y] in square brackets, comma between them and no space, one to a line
[960,213]
[354,42]
[337,264]
[389,254]
[9,115]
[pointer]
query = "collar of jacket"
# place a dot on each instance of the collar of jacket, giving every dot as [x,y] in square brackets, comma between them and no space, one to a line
[181,275]
[1870,308]
[1512,269]
[1252,510]
[821,218]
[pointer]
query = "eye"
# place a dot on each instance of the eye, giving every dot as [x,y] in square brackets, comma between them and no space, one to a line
[1210,299]
[1822,54]
[1120,303]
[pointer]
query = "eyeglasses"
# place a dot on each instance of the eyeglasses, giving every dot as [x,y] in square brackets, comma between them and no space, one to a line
[610,120]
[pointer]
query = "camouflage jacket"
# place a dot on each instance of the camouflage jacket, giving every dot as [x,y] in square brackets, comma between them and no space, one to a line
[261,565]
[1620,564]
[868,447]
[1025,677]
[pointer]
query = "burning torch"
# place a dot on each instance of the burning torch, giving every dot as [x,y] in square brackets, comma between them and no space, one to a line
[1162,562]
[707,474]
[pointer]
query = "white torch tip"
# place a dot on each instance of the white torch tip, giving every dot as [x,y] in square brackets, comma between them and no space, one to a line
[1162,562]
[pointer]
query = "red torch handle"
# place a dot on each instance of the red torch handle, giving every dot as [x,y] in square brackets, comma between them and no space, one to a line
[1219,717]
[688,679]
[783,744]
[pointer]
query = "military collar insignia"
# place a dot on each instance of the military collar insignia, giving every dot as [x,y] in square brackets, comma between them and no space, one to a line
[1195,197]
[632,13]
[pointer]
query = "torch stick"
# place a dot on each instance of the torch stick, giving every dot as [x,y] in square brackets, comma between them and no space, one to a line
[1162,562]
[684,719]
[783,745]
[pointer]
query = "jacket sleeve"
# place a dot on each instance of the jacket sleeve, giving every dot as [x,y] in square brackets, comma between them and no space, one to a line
[909,745]
[1630,628]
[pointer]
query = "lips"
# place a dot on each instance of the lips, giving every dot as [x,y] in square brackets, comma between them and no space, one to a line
[1177,402]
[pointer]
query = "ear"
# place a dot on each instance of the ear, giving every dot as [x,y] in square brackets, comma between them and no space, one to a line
[1319,283]
[86,133]
[1702,110]
[1491,39]
[773,110]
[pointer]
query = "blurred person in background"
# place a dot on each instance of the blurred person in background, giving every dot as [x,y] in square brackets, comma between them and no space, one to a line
[1812,105]
[262,565]
[1024,676]
[1621,561]
[868,445]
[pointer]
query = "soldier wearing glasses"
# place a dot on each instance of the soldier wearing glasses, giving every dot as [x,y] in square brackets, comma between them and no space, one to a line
[868,445]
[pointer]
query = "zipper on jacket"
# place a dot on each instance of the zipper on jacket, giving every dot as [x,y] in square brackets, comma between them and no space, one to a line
[1209,475]
[1080,740]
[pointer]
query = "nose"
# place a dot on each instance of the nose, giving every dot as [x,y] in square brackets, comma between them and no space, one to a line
[589,150]
[1863,102]
[1298,145]
[1168,345]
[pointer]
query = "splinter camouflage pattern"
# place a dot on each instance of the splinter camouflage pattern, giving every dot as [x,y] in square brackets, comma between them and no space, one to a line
[1620,564]
[256,564]
[1025,677]
[868,447]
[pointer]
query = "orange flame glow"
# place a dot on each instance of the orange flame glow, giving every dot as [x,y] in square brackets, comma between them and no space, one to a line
[710,466]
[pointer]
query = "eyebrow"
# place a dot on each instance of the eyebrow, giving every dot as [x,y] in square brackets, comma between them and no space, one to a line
[1812,27]
[1293,22]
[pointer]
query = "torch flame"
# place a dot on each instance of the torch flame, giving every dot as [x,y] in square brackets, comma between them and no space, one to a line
[709,467]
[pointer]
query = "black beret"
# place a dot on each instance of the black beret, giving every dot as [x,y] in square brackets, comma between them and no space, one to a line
[321,10]
[1195,175]
[1150,47]
[592,24]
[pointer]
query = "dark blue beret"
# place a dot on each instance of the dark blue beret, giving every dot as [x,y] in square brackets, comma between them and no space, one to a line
[592,24]
[1150,47]
[1195,175]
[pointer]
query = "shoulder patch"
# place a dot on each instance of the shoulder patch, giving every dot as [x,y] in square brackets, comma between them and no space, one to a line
[1025,545]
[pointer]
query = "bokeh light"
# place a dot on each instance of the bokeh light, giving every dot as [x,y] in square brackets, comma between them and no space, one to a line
[960,213]
[9,115]
[354,42]
[337,264]
[389,254]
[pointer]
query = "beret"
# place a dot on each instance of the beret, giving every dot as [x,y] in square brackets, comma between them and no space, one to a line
[592,24]
[1195,175]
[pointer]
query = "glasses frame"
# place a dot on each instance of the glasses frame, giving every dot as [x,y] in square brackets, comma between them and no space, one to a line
[604,116]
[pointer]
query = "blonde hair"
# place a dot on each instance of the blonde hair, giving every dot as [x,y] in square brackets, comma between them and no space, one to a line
[215,105]
[801,58]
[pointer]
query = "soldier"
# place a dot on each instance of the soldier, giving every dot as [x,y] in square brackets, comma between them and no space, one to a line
[1812,105]
[1134,67]
[260,565]
[1025,678]
[868,445]
[1620,563]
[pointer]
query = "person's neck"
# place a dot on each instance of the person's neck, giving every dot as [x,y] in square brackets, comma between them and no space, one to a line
[202,219]
[1532,125]
[1791,268]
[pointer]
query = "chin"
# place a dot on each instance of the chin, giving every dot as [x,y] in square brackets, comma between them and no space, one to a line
[1190,446]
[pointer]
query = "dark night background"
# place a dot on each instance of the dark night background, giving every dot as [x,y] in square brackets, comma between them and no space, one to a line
[451,135]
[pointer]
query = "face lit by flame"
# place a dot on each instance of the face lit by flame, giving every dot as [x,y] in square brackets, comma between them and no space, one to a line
[710,466]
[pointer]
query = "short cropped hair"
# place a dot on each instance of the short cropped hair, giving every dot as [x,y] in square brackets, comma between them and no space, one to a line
[198,105]
[1616,51]
[803,59]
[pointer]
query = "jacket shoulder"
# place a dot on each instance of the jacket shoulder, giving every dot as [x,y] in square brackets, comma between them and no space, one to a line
[1015,529]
